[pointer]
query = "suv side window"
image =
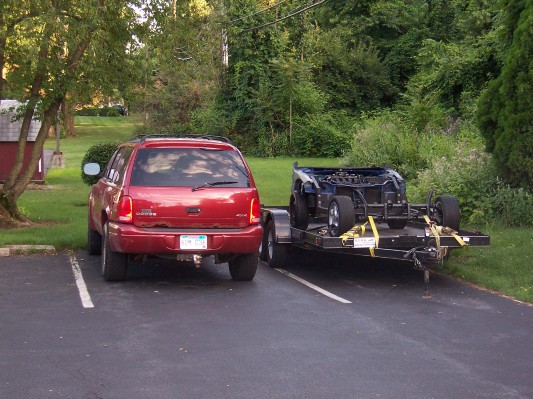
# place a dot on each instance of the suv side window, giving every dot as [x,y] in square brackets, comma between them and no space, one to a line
[117,166]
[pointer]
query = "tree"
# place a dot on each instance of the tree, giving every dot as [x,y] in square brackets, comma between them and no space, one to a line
[505,109]
[48,49]
[179,55]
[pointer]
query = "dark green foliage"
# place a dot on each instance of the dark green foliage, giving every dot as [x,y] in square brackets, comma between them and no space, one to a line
[99,153]
[322,135]
[513,206]
[505,109]
[353,76]
[104,111]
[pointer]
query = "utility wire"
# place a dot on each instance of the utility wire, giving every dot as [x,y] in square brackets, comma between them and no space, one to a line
[258,12]
[287,16]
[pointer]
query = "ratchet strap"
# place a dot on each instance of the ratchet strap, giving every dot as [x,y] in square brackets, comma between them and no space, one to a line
[355,231]
[359,231]
[376,235]
[438,230]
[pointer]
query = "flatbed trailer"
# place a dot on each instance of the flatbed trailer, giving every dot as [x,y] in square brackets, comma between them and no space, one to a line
[423,244]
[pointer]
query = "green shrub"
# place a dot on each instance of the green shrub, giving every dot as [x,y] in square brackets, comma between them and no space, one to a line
[104,111]
[472,177]
[321,135]
[99,153]
[385,140]
[267,144]
[468,175]
[512,206]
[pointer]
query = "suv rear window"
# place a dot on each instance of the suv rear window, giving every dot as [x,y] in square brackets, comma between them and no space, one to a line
[188,167]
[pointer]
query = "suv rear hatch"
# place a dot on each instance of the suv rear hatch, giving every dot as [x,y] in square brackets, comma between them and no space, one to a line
[191,187]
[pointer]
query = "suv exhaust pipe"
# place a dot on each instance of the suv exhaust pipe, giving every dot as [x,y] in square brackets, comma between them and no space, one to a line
[196,258]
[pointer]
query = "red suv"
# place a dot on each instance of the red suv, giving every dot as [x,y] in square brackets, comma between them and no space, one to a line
[184,198]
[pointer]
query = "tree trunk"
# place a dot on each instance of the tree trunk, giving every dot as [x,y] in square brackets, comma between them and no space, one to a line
[290,121]
[68,114]
[16,183]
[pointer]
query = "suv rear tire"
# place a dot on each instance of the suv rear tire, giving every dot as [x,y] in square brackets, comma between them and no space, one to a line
[94,241]
[243,267]
[114,264]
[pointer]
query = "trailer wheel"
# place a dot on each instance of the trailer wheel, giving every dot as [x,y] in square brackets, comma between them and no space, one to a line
[341,215]
[299,211]
[276,253]
[448,213]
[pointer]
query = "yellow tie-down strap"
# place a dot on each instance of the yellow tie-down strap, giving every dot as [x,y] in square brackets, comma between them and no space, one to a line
[359,231]
[437,231]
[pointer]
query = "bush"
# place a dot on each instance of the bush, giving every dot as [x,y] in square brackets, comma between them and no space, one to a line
[385,140]
[512,206]
[321,135]
[104,111]
[99,153]
[472,177]
[469,176]
[270,144]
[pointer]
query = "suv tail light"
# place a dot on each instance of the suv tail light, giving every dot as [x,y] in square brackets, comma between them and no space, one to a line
[125,209]
[255,211]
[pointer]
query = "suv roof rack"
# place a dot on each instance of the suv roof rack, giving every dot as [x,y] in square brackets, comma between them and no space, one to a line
[143,137]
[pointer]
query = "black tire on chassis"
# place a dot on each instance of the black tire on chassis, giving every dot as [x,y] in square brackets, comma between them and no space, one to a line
[94,242]
[448,212]
[397,223]
[299,211]
[114,264]
[243,266]
[275,253]
[341,215]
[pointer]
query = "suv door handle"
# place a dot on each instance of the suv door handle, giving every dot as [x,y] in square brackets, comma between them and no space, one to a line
[192,210]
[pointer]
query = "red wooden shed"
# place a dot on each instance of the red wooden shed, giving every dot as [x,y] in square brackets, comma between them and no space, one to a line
[9,136]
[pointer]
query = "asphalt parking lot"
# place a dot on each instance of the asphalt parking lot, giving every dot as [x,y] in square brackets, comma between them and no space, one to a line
[324,327]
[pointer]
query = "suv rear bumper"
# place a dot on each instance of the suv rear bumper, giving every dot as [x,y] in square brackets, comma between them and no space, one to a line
[130,239]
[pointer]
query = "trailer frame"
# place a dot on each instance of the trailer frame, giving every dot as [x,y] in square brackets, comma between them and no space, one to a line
[419,243]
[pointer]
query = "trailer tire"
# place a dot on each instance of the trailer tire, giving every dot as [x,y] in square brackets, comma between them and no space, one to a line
[299,210]
[275,253]
[341,215]
[448,212]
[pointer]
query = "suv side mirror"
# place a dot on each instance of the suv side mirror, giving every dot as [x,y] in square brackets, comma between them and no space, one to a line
[91,169]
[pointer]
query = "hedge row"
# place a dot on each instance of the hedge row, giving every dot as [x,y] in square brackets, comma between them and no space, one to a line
[105,111]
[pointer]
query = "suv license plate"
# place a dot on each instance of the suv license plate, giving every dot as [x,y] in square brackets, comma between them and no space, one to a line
[193,242]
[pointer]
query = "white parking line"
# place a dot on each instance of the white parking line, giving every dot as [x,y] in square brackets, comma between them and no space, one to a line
[80,282]
[314,287]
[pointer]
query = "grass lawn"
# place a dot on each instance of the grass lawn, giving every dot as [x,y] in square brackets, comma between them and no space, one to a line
[61,207]
[506,266]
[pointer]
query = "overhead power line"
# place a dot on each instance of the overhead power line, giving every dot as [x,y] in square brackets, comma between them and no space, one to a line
[258,12]
[292,14]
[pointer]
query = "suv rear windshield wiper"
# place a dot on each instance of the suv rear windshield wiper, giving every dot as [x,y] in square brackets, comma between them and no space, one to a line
[212,184]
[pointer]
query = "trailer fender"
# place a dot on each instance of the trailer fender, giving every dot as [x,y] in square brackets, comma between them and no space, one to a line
[281,220]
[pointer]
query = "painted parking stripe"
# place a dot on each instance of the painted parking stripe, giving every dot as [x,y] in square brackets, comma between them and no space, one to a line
[80,283]
[312,286]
